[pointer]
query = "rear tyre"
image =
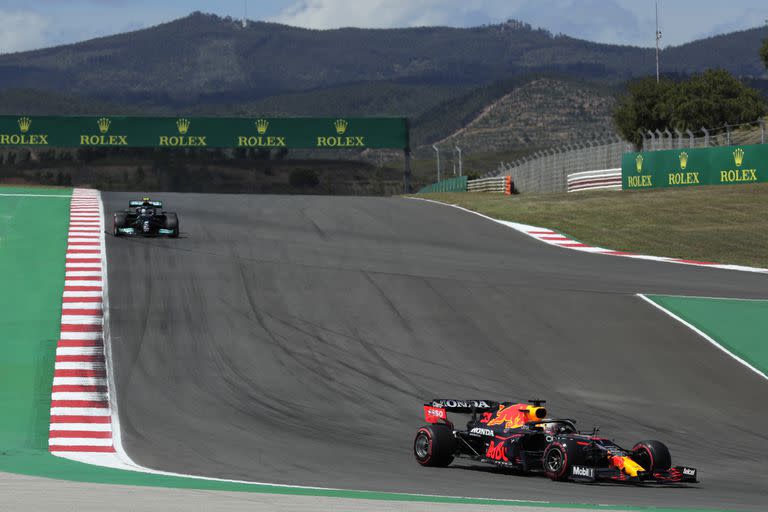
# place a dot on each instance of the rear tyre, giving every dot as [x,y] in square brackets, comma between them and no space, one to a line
[559,458]
[172,223]
[434,445]
[652,455]
[118,221]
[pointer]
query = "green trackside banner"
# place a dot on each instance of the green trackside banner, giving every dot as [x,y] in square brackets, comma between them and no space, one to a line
[727,165]
[202,132]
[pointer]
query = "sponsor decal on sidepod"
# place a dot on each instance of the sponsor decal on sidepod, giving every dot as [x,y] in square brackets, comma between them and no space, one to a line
[583,472]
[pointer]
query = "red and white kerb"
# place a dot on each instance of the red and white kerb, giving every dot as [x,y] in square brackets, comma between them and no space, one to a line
[80,411]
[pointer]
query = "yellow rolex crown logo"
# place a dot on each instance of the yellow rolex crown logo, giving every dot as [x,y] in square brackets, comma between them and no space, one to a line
[738,156]
[24,124]
[183,126]
[104,124]
[683,160]
[341,126]
[261,126]
[639,163]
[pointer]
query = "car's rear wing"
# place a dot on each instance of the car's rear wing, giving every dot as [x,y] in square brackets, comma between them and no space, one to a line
[136,204]
[436,410]
[464,406]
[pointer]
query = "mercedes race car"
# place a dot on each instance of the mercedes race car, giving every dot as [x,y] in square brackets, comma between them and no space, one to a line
[145,217]
[521,438]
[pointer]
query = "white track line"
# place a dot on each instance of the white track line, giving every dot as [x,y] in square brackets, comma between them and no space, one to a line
[702,334]
[550,237]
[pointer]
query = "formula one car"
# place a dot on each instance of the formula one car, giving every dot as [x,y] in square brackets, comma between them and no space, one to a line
[521,438]
[145,217]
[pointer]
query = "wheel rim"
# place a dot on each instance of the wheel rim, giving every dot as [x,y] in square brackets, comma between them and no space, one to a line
[554,460]
[422,446]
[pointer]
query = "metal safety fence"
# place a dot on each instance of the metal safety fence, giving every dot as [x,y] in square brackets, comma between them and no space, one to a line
[727,135]
[548,170]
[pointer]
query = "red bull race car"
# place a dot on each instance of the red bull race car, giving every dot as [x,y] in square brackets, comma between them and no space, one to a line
[520,437]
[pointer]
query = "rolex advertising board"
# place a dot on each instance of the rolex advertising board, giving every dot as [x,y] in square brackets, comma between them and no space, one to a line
[727,165]
[203,132]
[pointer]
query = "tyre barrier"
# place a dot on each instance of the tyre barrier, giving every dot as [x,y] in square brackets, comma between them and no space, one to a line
[595,180]
[499,184]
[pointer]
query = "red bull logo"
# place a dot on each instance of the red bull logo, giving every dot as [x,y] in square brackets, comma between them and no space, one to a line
[514,416]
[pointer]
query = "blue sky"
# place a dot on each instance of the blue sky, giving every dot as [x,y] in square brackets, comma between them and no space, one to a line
[28,24]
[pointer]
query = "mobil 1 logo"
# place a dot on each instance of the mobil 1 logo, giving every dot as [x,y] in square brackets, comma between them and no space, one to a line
[583,472]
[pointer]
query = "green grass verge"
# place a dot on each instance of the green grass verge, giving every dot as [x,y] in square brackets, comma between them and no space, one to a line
[737,325]
[724,224]
[33,237]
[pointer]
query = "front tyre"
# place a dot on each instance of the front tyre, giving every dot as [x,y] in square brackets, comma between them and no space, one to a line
[434,445]
[559,458]
[652,455]
[172,223]
[118,221]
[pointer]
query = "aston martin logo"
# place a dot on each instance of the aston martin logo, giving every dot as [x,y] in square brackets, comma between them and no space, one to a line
[183,126]
[104,123]
[24,124]
[262,125]
[341,126]
[738,157]
[683,160]
[639,163]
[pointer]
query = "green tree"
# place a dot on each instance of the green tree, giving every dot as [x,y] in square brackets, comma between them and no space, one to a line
[711,99]
[646,106]
[764,53]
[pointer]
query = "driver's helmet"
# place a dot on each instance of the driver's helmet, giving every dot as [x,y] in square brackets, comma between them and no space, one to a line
[552,428]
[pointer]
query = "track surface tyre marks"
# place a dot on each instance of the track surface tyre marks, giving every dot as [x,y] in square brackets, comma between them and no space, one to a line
[294,339]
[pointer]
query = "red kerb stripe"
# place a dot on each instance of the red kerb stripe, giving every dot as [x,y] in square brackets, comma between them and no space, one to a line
[82,312]
[81,299]
[77,388]
[88,404]
[80,328]
[94,449]
[80,373]
[81,343]
[82,434]
[90,358]
[80,419]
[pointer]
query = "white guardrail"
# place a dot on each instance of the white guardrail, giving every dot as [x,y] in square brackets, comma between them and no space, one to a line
[498,184]
[594,180]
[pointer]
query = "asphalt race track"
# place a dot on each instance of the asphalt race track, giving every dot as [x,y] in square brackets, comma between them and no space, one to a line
[294,340]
